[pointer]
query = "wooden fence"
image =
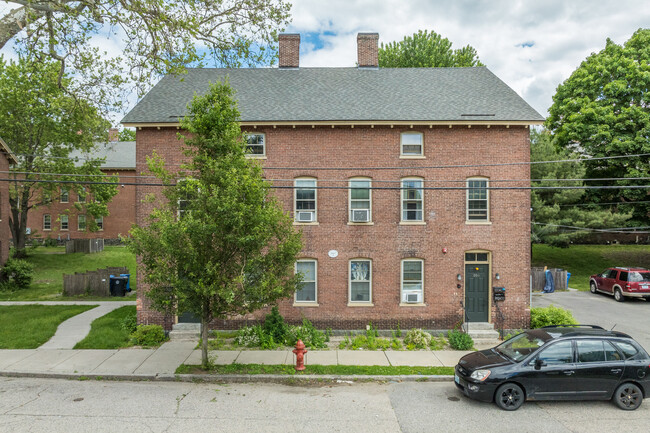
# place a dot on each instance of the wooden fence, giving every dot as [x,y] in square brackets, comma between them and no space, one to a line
[96,283]
[539,279]
[84,246]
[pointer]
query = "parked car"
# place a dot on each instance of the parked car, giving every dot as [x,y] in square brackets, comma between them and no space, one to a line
[581,362]
[622,283]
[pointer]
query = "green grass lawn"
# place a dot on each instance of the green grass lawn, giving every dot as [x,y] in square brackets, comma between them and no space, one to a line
[50,263]
[585,260]
[29,326]
[106,332]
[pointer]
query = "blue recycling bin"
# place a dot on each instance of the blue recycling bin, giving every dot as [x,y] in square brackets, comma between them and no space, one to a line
[128,281]
[568,275]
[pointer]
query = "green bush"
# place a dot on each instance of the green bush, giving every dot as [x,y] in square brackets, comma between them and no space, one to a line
[148,335]
[417,339]
[438,343]
[129,324]
[551,315]
[309,335]
[275,327]
[16,275]
[459,340]
[249,336]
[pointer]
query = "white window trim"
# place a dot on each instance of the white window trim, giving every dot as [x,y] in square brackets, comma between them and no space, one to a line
[67,192]
[352,303]
[295,200]
[411,155]
[401,278]
[360,179]
[314,303]
[101,218]
[402,200]
[50,223]
[486,221]
[67,221]
[79,222]
[257,156]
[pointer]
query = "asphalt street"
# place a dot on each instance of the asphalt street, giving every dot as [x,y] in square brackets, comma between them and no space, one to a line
[51,405]
[631,316]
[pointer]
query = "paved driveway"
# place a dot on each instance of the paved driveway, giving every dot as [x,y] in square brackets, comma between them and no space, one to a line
[631,316]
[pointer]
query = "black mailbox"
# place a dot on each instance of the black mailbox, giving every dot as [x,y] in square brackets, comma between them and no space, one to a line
[499,293]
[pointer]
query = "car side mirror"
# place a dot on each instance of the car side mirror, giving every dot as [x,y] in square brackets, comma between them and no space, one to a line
[539,364]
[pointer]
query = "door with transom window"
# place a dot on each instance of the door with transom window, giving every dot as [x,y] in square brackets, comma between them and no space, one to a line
[477,286]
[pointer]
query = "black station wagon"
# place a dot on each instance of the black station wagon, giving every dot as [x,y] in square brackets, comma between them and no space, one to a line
[581,362]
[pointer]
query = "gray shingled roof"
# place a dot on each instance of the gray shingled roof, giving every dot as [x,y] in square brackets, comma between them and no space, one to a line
[344,94]
[120,155]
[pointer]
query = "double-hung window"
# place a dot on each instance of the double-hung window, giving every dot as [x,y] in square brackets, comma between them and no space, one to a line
[477,200]
[64,222]
[255,145]
[360,200]
[81,222]
[411,144]
[82,195]
[65,195]
[305,200]
[412,281]
[187,194]
[307,291]
[47,222]
[360,281]
[100,223]
[412,200]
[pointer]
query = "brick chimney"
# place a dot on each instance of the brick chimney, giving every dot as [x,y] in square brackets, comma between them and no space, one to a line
[368,50]
[289,51]
[113,134]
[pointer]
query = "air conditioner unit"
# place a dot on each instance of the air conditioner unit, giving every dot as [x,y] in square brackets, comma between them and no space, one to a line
[360,215]
[413,298]
[305,217]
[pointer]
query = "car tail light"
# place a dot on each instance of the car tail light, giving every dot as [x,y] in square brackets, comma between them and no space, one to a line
[628,286]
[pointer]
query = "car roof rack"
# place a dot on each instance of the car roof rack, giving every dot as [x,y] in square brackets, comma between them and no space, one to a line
[573,326]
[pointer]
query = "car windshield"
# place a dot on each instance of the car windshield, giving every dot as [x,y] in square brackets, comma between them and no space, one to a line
[638,277]
[522,345]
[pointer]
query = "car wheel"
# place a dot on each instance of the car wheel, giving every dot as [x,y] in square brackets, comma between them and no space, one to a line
[628,396]
[592,287]
[509,396]
[618,295]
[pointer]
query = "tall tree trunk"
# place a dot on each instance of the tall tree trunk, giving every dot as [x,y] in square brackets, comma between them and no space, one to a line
[206,318]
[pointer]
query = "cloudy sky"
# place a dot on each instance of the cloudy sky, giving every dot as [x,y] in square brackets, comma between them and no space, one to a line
[531,45]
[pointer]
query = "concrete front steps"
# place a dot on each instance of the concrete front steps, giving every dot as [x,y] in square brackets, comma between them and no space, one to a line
[482,333]
[185,332]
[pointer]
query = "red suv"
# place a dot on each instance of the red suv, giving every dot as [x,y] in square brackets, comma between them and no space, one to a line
[622,282]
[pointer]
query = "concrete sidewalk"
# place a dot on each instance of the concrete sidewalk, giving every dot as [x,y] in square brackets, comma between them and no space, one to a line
[164,361]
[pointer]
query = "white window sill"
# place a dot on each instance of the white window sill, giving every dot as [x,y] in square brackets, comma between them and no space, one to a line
[360,304]
[296,223]
[478,223]
[47,230]
[412,223]
[369,223]
[412,157]
[256,157]
[305,304]
[421,304]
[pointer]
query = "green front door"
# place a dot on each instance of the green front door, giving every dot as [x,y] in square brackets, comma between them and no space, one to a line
[477,292]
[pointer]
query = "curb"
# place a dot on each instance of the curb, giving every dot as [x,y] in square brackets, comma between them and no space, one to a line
[237,378]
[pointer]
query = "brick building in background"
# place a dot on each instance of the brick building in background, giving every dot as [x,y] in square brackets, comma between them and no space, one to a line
[61,220]
[6,159]
[393,174]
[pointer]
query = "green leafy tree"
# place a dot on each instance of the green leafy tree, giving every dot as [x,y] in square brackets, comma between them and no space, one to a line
[155,36]
[602,110]
[42,125]
[562,207]
[218,244]
[127,134]
[426,50]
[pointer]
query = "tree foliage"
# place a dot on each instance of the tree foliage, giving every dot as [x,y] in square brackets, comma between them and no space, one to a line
[219,244]
[43,125]
[603,110]
[562,207]
[426,50]
[155,36]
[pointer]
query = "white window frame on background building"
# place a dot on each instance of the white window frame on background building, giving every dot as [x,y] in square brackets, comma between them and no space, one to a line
[100,223]
[81,222]
[410,286]
[482,216]
[47,222]
[65,196]
[404,193]
[357,206]
[358,275]
[256,140]
[310,302]
[299,210]
[411,140]
[65,222]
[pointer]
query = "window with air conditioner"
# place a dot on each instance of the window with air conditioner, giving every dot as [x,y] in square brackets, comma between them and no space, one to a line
[305,200]
[412,281]
[360,200]
[411,144]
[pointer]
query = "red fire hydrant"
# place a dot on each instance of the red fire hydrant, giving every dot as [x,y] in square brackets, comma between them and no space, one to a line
[300,355]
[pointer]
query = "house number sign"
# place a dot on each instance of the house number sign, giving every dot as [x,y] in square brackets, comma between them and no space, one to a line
[333,253]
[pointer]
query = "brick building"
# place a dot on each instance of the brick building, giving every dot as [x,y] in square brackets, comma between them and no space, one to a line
[7,158]
[61,220]
[393,173]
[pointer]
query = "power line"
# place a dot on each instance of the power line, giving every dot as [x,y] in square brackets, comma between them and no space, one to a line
[604,204]
[620,230]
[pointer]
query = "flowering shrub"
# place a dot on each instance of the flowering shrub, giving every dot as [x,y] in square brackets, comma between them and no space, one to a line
[417,339]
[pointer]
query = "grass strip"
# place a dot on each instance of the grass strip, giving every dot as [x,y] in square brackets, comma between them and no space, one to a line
[29,326]
[106,332]
[344,370]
